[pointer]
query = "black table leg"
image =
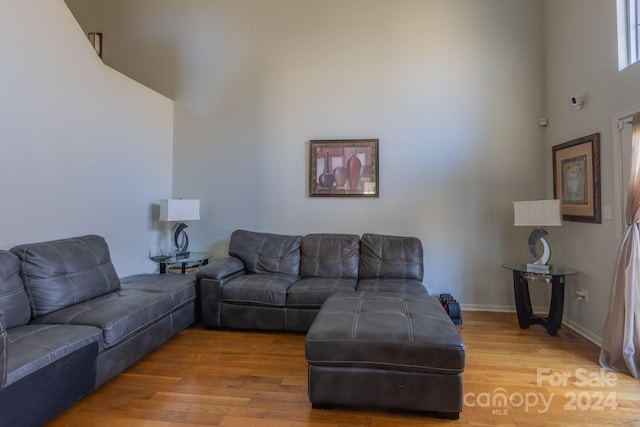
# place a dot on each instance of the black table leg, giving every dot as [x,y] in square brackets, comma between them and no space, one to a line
[554,320]
[523,299]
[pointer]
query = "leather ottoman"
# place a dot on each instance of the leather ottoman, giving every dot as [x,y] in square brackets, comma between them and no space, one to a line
[389,350]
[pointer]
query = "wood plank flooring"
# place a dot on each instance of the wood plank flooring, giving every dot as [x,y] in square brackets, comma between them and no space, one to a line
[245,379]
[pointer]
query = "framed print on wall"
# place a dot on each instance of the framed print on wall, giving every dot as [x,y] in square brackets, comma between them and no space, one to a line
[576,178]
[343,168]
[96,42]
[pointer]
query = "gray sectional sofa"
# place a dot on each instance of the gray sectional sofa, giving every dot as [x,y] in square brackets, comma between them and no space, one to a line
[279,282]
[374,336]
[68,324]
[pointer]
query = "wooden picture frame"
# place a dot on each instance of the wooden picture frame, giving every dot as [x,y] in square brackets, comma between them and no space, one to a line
[343,168]
[576,178]
[96,41]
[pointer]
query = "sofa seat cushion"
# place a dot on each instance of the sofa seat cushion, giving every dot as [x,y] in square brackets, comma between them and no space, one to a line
[120,314]
[14,301]
[378,284]
[32,347]
[180,287]
[394,257]
[381,330]
[312,292]
[64,272]
[258,289]
[266,253]
[330,255]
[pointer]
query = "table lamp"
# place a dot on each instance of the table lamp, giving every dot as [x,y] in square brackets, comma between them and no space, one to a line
[538,213]
[179,210]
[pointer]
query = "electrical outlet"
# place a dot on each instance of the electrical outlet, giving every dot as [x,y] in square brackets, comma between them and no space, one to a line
[583,295]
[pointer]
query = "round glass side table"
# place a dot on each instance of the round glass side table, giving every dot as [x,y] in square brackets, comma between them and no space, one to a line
[522,275]
[200,258]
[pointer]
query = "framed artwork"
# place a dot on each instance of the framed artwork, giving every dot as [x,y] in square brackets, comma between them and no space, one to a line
[576,178]
[96,42]
[343,168]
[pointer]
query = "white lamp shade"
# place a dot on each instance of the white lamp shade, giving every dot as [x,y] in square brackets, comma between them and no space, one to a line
[537,213]
[179,210]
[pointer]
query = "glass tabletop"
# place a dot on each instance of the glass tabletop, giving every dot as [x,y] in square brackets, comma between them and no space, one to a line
[554,270]
[192,257]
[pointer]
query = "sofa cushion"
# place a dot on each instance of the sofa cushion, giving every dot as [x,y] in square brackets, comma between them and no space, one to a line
[14,300]
[179,287]
[390,257]
[379,330]
[120,314]
[266,253]
[258,289]
[64,272]
[410,286]
[312,292]
[330,255]
[32,347]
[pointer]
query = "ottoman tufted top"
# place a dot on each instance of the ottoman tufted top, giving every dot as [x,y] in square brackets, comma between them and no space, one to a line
[380,330]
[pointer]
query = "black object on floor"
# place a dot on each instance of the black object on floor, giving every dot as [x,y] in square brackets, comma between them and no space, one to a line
[452,308]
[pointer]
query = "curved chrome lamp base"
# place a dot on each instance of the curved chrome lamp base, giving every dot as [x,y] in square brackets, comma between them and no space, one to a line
[541,264]
[181,240]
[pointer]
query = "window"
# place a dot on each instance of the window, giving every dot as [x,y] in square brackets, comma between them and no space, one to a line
[633,15]
[628,32]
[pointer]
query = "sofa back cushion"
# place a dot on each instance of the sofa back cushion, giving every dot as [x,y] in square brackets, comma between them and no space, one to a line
[266,253]
[14,300]
[330,255]
[64,272]
[390,257]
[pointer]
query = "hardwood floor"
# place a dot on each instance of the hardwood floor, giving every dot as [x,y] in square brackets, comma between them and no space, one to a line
[233,378]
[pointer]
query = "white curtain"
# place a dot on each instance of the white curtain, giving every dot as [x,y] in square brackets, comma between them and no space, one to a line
[621,337]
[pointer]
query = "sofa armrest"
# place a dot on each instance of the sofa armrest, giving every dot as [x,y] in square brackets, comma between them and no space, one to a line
[221,268]
[211,278]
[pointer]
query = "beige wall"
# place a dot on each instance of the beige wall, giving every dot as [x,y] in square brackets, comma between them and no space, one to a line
[453,90]
[581,58]
[83,149]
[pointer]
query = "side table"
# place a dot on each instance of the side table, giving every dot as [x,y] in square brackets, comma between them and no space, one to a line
[521,278]
[201,258]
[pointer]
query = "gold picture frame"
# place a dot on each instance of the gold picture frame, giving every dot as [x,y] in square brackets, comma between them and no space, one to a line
[343,168]
[576,178]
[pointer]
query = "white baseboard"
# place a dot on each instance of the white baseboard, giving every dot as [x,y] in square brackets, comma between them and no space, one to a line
[597,340]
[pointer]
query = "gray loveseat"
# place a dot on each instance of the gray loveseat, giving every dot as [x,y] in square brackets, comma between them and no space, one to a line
[279,282]
[68,324]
